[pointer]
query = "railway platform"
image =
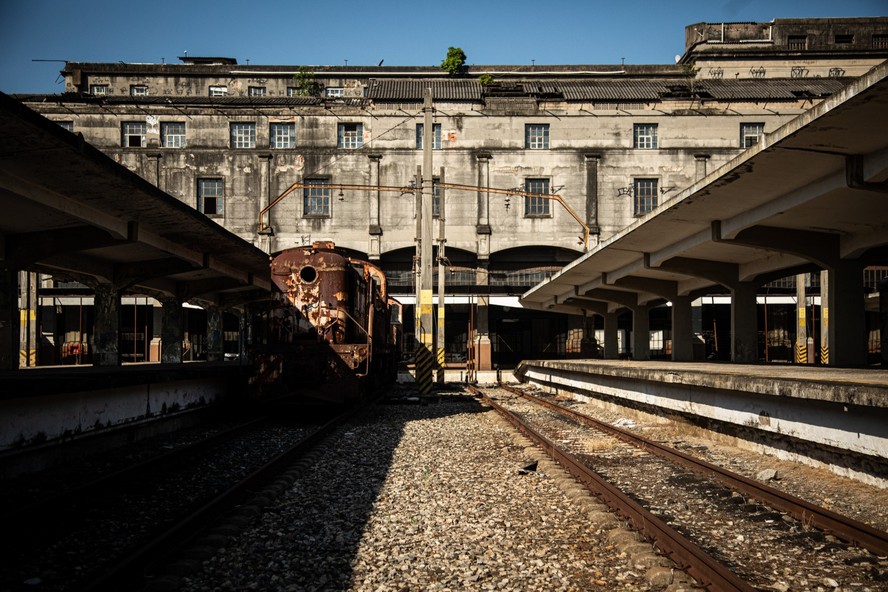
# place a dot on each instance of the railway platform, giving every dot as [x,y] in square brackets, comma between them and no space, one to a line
[819,415]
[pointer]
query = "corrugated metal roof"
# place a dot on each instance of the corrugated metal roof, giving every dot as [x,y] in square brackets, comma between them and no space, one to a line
[412,90]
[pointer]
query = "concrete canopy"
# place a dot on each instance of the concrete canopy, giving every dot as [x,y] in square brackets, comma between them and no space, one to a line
[810,195]
[70,211]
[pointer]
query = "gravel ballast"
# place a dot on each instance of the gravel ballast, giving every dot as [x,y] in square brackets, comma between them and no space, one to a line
[432,497]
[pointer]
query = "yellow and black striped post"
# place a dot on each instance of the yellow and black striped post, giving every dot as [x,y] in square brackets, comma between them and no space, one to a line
[425,363]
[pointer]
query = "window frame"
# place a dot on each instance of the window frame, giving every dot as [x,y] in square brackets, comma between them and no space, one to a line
[203,183]
[317,202]
[274,138]
[350,140]
[651,198]
[334,92]
[100,90]
[536,136]
[166,134]
[256,91]
[645,136]
[746,128]
[67,124]
[126,135]
[420,134]
[218,90]
[138,90]
[537,207]
[238,139]
[797,42]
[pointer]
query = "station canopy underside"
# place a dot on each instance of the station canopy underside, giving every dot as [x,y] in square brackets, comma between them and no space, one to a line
[70,211]
[809,196]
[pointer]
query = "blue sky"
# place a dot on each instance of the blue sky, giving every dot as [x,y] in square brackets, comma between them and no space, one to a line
[402,33]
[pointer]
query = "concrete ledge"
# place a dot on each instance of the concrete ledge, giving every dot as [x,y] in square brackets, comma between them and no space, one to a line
[800,413]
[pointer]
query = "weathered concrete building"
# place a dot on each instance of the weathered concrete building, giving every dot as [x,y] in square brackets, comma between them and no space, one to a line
[612,141]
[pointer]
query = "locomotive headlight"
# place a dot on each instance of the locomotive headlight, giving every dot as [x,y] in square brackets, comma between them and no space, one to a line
[308,274]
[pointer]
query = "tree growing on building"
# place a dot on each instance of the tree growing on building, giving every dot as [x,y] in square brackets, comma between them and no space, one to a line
[454,63]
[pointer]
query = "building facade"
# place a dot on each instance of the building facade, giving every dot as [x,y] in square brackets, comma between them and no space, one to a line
[613,142]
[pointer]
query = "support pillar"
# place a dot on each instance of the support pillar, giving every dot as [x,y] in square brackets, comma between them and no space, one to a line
[29,334]
[374,228]
[10,319]
[576,327]
[801,344]
[483,350]
[883,321]
[171,332]
[106,332]
[611,347]
[682,330]
[847,317]
[215,335]
[744,327]
[266,242]
[641,333]
[592,193]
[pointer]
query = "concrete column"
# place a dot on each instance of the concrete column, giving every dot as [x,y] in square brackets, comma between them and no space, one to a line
[171,332]
[483,224]
[10,319]
[373,201]
[576,328]
[611,347]
[801,355]
[106,333]
[641,333]
[847,318]
[215,335]
[682,330]
[701,162]
[744,323]
[822,356]
[483,351]
[28,328]
[592,193]
[265,242]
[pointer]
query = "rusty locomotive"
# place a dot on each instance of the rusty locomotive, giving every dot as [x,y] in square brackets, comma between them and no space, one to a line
[334,332]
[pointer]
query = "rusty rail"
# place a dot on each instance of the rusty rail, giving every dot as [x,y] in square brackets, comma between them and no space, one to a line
[707,570]
[843,527]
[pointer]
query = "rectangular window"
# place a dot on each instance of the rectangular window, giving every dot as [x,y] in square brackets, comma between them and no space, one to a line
[645,196]
[644,135]
[138,90]
[132,134]
[436,141]
[256,91]
[316,199]
[282,135]
[68,125]
[334,92]
[880,41]
[218,91]
[536,207]
[351,135]
[243,135]
[99,90]
[210,196]
[172,134]
[844,39]
[797,42]
[291,91]
[751,133]
[436,197]
[536,136]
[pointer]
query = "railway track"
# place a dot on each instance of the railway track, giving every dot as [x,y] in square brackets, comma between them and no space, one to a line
[105,534]
[698,514]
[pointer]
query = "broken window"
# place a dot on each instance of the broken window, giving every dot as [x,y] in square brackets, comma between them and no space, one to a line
[351,135]
[172,134]
[133,134]
[645,135]
[751,133]
[210,196]
[536,207]
[316,199]
[645,191]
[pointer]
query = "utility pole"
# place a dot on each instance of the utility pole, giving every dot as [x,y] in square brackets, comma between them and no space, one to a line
[442,273]
[425,357]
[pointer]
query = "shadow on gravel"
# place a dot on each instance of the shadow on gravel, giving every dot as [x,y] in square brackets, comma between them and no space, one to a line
[308,539]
